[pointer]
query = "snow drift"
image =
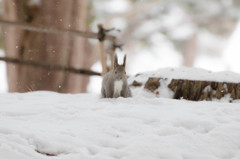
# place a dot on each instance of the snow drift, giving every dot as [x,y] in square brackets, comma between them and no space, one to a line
[45,125]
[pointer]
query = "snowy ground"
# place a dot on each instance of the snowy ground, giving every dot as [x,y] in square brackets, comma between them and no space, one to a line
[87,127]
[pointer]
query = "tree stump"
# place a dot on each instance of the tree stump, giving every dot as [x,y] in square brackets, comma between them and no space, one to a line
[195,90]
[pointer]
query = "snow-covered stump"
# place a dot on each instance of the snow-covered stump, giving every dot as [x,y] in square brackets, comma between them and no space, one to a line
[190,84]
[196,90]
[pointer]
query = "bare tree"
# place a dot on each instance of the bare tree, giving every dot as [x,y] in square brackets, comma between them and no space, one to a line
[55,49]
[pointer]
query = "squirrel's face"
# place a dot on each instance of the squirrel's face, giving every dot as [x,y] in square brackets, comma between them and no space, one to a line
[119,73]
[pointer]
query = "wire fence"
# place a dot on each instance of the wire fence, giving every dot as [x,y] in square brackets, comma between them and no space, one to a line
[101,36]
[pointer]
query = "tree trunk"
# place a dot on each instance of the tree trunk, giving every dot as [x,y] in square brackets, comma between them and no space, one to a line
[190,51]
[51,48]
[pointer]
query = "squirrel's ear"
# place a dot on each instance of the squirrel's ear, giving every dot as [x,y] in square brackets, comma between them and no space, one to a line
[124,60]
[115,61]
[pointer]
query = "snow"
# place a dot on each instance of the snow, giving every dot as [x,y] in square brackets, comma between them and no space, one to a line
[86,126]
[185,73]
[190,74]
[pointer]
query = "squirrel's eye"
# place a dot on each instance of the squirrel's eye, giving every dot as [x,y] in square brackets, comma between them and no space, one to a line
[125,72]
[115,72]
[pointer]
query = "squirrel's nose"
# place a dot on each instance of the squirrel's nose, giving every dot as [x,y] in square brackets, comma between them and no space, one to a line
[120,78]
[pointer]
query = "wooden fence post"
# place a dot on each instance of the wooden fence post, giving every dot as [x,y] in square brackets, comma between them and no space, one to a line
[101,38]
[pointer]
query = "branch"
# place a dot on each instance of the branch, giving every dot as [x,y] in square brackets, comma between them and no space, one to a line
[29,27]
[47,66]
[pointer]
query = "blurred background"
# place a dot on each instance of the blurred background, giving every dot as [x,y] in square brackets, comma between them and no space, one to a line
[155,34]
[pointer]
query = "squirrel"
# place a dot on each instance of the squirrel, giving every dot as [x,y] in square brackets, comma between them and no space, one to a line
[114,83]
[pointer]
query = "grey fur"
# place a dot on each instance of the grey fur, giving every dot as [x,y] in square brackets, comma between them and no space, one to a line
[117,74]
